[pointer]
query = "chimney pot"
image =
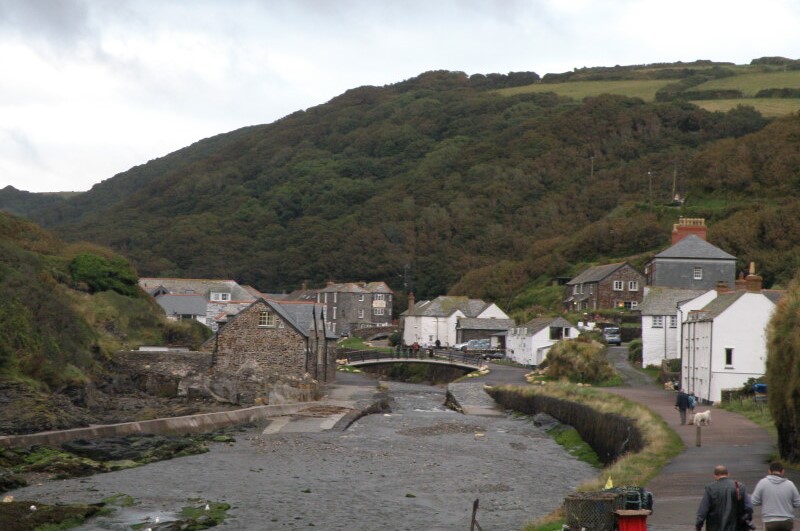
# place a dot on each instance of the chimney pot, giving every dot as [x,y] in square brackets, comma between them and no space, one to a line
[688,226]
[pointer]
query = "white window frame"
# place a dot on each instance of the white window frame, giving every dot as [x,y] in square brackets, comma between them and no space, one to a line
[630,305]
[361,313]
[697,273]
[378,311]
[266,319]
[618,285]
[334,311]
[219,296]
[575,289]
[633,285]
[379,296]
[657,322]
[360,297]
[673,321]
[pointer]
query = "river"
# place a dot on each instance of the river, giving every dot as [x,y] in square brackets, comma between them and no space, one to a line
[419,467]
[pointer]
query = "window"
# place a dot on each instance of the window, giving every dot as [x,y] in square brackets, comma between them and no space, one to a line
[360,314]
[658,321]
[673,321]
[379,296]
[556,332]
[728,356]
[360,297]
[326,298]
[318,298]
[575,289]
[378,311]
[697,274]
[216,296]
[334,311]
[266,319]
[618,285]
[633,285]
[630,305]
[334,298]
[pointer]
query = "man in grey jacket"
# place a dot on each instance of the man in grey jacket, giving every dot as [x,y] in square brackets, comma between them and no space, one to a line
[778,497]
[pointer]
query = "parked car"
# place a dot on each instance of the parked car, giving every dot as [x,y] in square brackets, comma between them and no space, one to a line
[611,335]
[477,344]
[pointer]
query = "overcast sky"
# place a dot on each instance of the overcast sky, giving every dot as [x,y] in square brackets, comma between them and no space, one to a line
[90,88]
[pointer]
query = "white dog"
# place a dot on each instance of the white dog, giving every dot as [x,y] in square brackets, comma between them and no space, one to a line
[702,418]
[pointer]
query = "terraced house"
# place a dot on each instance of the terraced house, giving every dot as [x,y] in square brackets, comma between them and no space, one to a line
[605,286]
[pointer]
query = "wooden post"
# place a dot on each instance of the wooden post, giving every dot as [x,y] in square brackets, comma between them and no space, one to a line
[474,513]
[697,436]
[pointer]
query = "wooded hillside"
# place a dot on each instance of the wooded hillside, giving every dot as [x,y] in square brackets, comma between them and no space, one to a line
[467,188]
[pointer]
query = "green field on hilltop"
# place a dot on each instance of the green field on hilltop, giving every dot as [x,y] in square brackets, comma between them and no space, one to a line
[635,88]
[770,107]
[750,83]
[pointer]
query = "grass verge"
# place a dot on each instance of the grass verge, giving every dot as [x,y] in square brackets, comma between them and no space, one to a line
[660,442]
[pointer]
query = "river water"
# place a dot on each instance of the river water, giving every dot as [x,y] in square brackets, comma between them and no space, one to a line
[419,467]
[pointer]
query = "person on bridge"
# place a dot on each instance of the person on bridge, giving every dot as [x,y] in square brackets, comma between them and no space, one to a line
[682,404]
[778,497]
[725,505]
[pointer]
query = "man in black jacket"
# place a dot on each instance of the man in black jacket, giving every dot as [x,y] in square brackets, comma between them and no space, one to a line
[725,504]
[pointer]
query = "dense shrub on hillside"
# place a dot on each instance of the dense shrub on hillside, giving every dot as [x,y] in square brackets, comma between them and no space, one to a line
[102,274]
[579,361]
[778,93]
[783,380]
[635,352]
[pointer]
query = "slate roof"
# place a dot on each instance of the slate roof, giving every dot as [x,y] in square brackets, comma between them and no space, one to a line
[300,316]
[182,304]
[664,301]
[444,306]
[596,273]
[540,323]
[472,323]
[715,308]
[693,246]
[357,287]
[197,286]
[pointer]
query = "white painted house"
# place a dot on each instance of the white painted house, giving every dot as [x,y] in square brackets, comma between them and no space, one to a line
[724,343]
[425,322]
[528,344]
[661,323]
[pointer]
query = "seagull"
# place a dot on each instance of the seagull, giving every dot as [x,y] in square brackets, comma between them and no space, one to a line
[208,508]
[33,507]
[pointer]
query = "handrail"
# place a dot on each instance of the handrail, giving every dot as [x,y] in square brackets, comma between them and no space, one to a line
[407,354]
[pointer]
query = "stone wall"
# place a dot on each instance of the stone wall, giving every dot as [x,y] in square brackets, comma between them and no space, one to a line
[165,373]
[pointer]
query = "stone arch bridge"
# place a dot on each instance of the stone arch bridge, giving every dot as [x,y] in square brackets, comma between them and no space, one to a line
[359,358]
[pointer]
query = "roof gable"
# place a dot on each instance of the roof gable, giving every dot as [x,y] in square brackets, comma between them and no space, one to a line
[597,273]
[664,301]
[697,248]
[538,324]
[447,305]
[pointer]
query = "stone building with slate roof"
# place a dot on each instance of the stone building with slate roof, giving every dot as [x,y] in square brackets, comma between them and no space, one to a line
[691,263]
[605,286]
[180,307]
[272,350]
[425,322]
[724,343]
[529,343]
[351,305]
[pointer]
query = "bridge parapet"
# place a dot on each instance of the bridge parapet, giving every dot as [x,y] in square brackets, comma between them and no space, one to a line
[439,357]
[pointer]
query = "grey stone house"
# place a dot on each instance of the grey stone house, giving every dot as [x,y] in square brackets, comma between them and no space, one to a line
[691,263]
[272,349]
[350,305]
[605,286]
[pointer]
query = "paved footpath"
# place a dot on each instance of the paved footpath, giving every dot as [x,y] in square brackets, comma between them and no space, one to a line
[731,439]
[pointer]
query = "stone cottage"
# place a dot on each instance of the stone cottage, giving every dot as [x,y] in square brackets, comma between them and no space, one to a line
[273,352]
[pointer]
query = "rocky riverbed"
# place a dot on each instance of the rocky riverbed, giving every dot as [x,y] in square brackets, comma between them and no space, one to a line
[418,467]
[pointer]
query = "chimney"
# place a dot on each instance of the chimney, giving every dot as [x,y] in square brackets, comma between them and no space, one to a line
[411,301]
[722,287]
[741,283]
[753,280]
[687,226]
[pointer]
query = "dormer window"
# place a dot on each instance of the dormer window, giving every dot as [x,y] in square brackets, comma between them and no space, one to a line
[220,297]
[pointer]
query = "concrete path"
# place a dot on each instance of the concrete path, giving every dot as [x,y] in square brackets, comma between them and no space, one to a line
[730,440]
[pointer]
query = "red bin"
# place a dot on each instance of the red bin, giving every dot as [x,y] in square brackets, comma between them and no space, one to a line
[632,520]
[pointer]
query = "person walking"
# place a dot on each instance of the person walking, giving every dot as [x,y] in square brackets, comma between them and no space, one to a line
[692,405]
[682,404]
[777,497]
[725,504]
